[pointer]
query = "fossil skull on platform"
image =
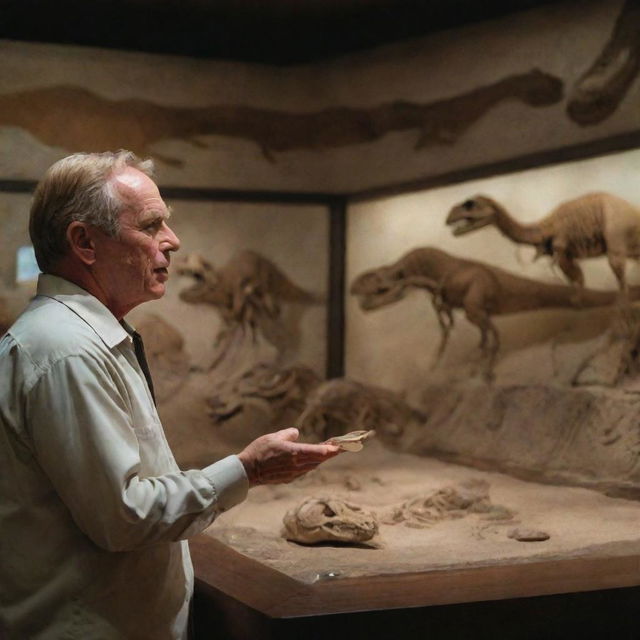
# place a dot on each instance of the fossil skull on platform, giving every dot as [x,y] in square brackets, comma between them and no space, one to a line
[327,519]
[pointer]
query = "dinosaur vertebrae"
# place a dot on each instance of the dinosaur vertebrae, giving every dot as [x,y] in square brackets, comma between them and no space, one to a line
[447,503]
[579,225]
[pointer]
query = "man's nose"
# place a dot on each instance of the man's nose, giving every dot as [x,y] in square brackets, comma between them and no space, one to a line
[170,240]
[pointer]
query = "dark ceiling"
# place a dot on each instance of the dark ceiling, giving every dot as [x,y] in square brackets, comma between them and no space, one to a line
[278,32]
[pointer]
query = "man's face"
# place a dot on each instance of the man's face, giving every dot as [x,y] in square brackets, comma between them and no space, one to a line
[133,267]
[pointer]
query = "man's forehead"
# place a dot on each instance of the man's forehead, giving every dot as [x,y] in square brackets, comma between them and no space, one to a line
[136,188]
[130,179]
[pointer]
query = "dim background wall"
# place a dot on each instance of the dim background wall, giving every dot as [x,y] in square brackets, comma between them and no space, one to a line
[14,233]
[561,41]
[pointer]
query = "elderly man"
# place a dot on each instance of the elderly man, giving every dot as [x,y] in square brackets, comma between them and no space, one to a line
[93,508]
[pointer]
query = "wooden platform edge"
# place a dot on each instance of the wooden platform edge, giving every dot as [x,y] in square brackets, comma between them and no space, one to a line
[279,596]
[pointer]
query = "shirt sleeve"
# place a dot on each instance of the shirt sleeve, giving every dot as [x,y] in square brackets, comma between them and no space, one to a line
[84,439]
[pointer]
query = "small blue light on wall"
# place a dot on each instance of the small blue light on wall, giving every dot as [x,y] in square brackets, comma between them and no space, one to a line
[26,265]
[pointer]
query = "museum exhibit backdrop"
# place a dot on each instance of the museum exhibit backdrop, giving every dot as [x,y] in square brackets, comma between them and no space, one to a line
[529,82]
[239,344]
[514,365]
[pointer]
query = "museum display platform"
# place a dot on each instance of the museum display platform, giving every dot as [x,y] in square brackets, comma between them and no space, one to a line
[463,576]
[587,597]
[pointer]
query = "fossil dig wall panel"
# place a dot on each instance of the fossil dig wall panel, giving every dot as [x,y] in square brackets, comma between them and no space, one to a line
[553,392]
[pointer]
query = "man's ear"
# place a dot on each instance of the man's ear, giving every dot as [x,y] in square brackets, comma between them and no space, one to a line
[81,242]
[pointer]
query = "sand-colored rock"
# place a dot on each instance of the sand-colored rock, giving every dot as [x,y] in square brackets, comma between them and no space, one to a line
[586,436]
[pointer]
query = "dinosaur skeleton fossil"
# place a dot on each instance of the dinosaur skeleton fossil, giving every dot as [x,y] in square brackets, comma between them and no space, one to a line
[592,225]
[447,503]
[248,293]
[340,404]
[247,289]
[601,89]
[332,519]
[482,291]
[268,387]
[100,123]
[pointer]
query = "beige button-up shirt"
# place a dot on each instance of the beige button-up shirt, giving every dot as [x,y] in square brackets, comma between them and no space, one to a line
[93,508]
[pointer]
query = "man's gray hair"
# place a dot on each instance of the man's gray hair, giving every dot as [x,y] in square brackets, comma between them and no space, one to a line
[78,188]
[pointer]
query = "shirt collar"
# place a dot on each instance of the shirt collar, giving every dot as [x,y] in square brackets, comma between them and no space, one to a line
[84,305]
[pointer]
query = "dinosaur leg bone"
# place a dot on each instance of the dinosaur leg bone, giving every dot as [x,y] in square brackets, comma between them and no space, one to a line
[442,309]
[617,262]
[489,338]
[573,272]
[445,319]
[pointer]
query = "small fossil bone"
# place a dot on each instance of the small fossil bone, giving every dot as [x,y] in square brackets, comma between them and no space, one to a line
[351,441]
[529,535]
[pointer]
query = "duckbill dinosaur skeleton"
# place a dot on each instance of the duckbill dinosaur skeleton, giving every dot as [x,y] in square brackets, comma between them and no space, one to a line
[249,293]
[480,290]
[247,288]
[592,225]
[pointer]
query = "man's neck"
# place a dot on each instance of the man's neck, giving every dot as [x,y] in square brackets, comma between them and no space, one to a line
[82,276]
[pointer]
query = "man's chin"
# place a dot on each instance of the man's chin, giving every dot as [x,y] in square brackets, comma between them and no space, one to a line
[157,290]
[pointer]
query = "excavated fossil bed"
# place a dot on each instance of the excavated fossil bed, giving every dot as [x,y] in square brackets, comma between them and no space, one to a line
[581,523]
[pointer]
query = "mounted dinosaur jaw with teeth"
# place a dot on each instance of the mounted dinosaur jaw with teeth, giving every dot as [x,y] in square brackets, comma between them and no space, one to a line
[470,215]
[202,274]
[466,225]
[375,290]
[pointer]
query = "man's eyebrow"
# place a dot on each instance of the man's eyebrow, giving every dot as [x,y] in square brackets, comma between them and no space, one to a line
[156,214]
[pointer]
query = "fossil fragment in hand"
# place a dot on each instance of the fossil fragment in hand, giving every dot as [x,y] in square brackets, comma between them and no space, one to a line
[351,441]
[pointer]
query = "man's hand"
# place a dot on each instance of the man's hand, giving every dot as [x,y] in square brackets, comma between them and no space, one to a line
[277,457]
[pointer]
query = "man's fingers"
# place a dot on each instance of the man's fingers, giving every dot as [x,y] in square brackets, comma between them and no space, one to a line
[289,476]
[304,458]
[277,457]
[295,469]
[290,434]
[314,450]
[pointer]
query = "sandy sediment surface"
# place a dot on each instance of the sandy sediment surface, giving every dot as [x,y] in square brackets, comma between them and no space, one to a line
[579,522]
